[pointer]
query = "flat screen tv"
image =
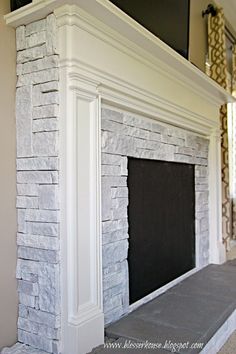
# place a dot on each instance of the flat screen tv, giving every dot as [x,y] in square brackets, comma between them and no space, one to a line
[167,19]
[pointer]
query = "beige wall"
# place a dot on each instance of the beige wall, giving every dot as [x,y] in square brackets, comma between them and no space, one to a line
[198,28]
[198,33]
[8,293]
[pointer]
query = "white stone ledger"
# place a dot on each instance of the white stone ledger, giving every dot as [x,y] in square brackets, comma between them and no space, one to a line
[37,108]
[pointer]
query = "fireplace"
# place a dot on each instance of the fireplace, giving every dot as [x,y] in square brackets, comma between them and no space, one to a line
[87,110]
[154,181]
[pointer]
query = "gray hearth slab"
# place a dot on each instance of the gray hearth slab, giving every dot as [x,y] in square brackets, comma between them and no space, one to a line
[140,330]
[130,347]
[191,311]
[211,283]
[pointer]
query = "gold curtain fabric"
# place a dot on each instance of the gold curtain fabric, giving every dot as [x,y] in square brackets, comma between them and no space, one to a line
[234,137]
[218,72]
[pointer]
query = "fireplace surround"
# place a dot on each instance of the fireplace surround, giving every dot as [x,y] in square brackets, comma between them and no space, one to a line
[124,135]
[65,98]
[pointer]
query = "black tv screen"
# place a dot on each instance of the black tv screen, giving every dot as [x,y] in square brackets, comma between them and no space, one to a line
[167,19]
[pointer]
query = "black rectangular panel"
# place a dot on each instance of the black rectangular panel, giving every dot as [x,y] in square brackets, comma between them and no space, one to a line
[161,216]
[167,19]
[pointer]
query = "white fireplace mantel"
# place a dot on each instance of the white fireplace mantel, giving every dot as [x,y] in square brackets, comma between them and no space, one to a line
[106,57]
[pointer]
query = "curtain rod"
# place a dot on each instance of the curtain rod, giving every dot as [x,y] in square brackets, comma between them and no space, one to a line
[211,9]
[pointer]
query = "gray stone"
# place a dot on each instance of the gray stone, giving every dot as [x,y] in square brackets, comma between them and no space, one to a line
[36,39]
[158,128]
[27,189]
[35,241]
[202,198]
[115,252]
[21,226]
[48,197]
[51,86]
[119,213]
[112,302]
[28,288]
[43,229]
[51,320]
[113,315]
[24,121]
[201,171]
[118,144]
[115,181]
[185,151]
[19,68]
[31,54]
[42,215]
[45,125]
[23,311]
[51,40]
[32,177]
[110,170]
[172,140]
[38,164]
[113,269]
[137,122]
[109,159]
[34,340]
[114,225]
[201,180]
[183,158]
[112,126]
[119,203]
[26,267]
[40,64]
[106,202]
[124,166]
[119,192]
[45,144]
[155,136]
[19,348]
[38,77]
[26,300]
[20,38]
[27,202]
[115,236]
[49,111]
[40,98]
[177,132]
[136,132]
[49,288]
[35,27]
[35,254]
[112,115]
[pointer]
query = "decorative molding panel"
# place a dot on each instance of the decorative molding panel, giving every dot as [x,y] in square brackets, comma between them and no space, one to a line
[106,67]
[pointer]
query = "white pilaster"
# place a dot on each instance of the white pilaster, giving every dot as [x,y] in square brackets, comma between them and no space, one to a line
[217,249]
[83,320]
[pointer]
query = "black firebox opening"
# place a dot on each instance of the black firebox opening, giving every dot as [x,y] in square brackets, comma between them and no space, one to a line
[161,216]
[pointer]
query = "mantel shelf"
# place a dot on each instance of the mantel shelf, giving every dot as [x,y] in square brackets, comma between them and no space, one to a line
[152,47]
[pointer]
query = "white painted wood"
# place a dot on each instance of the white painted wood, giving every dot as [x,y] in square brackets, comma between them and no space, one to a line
[82,316]
[98,64]
[217,249]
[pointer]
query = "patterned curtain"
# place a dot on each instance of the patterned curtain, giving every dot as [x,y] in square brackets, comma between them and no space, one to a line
[218,72]
[234,138]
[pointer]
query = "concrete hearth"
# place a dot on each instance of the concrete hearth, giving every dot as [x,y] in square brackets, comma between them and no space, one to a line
[201,310]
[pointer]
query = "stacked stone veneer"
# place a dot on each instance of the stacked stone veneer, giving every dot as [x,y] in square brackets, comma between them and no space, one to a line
[123,135]
[37,100]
